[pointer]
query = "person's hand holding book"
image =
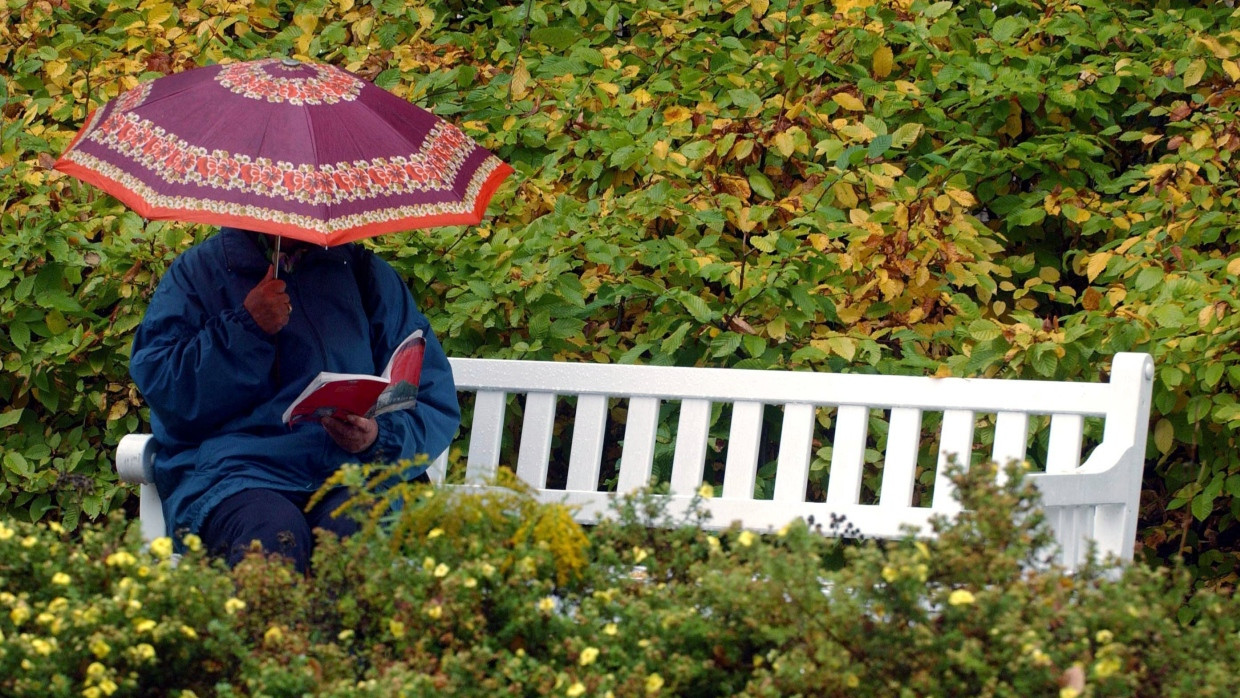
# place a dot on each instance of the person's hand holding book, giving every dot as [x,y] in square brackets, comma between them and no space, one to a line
[354,433]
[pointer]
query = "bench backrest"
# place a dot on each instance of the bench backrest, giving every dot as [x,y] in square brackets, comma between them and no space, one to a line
[1088,493]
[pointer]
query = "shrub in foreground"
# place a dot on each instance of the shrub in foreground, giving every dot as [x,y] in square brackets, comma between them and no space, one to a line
[487,592]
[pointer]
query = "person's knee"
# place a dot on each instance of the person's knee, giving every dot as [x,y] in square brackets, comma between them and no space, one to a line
[277,524]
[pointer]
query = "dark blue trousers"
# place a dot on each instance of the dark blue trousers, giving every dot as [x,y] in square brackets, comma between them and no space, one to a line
[276,519]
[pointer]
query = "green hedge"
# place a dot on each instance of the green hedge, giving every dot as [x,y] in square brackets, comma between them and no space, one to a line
[1001,187]
[488,593]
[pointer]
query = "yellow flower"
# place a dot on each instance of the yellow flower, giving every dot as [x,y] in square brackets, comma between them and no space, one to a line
[55,527]
[144,625]
[92,692]
[588,655]
[345,635]
[273,635]
[144,652]
[890,574]
[745,539]
[61,579]
[120,558]
[189,632]
[783,531]
[397,628]
[5,532]
[654,682]
[639,554]
[192,542]
[95,670]
[470,582]
[428,563]
[852,681]
[1104,637]
[435,612]
[575,690]
[99,648]
[441,570]
[434,533]
[487,569]
[233,605]
[162,547]
[108,686]
[1107,666]
[1068,692]
[29,542]
[43,647]
[19,614]
[706,491]
[546,604]
[713,541]
[961,597]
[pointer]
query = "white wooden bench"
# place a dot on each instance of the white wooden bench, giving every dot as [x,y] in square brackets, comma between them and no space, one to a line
[1090,485]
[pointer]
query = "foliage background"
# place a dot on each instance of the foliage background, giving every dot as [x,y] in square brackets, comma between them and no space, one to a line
[1005,187]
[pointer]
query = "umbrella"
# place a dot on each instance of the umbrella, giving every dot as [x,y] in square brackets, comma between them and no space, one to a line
[280,146]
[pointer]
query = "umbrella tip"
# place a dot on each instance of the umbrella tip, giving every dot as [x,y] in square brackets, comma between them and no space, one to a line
[290,62]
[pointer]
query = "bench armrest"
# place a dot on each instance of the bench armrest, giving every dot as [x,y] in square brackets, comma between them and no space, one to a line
[135,457]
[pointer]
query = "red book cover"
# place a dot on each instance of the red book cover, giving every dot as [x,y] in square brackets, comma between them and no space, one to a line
[339,394]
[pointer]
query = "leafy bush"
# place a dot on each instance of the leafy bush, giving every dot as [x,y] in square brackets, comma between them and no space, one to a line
[485,592]
[988,187]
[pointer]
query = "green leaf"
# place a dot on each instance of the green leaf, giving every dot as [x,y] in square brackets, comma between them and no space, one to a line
[1203,506]
[11,417]
[1008,27]
[556,37]
[939,9]
[879,145]
[761,185]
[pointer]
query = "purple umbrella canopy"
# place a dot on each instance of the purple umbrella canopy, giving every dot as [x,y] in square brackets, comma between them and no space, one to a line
[305,150]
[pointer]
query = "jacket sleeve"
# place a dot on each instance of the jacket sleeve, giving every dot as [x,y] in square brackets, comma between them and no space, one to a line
[429,427]
[196,368]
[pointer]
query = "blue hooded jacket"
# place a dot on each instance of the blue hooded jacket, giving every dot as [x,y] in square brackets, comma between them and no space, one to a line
[217,384]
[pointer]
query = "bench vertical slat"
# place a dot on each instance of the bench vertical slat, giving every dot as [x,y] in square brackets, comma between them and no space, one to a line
[852,422]
[900,461]
[536,430]
[955,441]
[795,447]
[485,435]
[744,442]
[1011,439]
[637,460]
[690,457]
[587,455]
[1063,454]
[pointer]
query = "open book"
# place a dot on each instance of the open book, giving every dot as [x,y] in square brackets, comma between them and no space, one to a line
[341,394]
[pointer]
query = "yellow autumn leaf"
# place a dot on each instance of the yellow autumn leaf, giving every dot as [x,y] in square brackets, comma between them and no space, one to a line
[1232,69]
[844,195]
[1233,267]
[677,114]
[1194,72]
[426,17]
[962,197]
[1205,316]
[610,88]
[345,5]
[742,149]
[660,150]
[847,101]
[54,69]
[759,7]
[1097,264]
[882,61]
[1164,435]
[1049,274]
[785,143]
[942,202]
[520,79]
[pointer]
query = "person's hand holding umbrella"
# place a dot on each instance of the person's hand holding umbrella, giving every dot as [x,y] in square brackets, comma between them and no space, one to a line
[268,303]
